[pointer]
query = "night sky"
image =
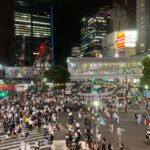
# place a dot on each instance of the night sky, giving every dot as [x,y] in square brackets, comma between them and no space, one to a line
[67,16]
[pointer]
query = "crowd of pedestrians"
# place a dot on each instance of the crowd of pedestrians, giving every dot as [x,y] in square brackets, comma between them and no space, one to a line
[34,111]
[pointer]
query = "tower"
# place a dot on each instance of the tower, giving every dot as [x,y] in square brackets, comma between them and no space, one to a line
[143,21]
[31,19]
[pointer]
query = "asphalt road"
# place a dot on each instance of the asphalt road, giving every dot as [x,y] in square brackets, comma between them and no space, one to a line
[133,137]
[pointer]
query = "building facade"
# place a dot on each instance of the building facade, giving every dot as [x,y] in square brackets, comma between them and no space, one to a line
[86,68]
[32,28]
[130,7]
[6,32]
[109,45]
[93,30]
[143,21]
[119,18]
[120,44]
[76,51]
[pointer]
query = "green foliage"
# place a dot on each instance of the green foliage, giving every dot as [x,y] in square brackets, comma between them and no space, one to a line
[57,74]
[43,88]
[145,80]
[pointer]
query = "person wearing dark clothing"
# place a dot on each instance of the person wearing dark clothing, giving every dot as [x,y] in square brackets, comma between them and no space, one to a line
[39,125]
[104,144]
[110,146]
[70,138]
[122,146]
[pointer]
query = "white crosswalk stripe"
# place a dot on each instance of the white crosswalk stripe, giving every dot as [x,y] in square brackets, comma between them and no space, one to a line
[13,143]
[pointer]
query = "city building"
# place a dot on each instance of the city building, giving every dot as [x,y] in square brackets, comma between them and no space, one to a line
[109,45]
[93,30]
[120,44]
[6,32]
[85,68]
[143,21]
[76,51]
[32,27]
[126,43]
[119,19]
[130,7]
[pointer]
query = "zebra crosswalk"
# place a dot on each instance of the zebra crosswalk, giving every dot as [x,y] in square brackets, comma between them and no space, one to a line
[13,142]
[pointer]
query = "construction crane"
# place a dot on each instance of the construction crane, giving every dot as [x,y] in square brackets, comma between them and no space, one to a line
[43,56]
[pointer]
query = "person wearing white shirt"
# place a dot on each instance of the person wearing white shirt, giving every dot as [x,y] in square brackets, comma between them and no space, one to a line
[30,123]
[77,125]
[98,137]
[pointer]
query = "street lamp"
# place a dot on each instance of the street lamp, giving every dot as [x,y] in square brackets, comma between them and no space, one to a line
[42,81]
[96,103]
[146,87]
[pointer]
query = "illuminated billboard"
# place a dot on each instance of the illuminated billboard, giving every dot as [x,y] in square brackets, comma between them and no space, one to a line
[7,87]
[130,38]
[19,72]
[120,40]
[126,39]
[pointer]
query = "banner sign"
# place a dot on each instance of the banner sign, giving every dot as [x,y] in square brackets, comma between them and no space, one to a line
[19,72]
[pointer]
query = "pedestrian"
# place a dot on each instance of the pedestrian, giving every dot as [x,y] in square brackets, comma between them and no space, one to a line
[121,146]
[104,144]
[46,139]
[27,122]
[79,115]
[37,145]
[27,134]
[110,146]
[67,140]
[77,125]
[111,128]
[118,119]
[30,124]
[70,139]
[98,137]
[138,118]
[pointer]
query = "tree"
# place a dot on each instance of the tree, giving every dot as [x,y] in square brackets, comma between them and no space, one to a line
[57,74]
[145,80]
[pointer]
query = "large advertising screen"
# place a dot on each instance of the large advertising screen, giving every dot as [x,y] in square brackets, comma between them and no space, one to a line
[120,40]
[126,39]
[130,38]
[19,72]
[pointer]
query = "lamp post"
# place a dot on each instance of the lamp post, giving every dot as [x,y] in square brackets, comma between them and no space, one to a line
[96,104]
[40,85]
[146,87]
[43,81]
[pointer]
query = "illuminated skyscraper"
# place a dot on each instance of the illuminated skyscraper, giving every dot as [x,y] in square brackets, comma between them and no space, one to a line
[130,7]
[118,16]
[93,30]
[6,32]
[143,25]
[31,21]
